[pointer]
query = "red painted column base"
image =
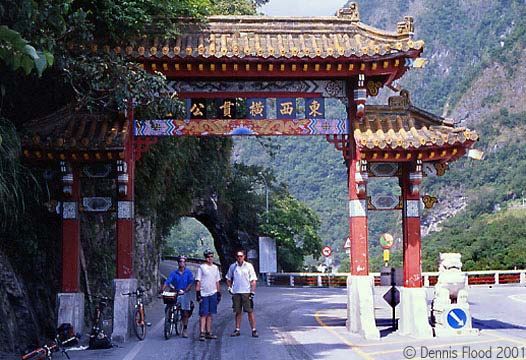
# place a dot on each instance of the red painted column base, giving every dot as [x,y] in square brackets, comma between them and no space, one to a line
[124,248]
[410,183]
[359,246]
[70,256]
[412,253]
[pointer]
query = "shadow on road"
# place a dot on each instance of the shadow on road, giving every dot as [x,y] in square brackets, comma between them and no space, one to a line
[494,324]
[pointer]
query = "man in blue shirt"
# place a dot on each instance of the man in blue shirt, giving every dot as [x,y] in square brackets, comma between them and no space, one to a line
[182,280]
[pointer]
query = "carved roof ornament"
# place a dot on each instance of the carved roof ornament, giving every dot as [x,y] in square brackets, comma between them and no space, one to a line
[351,12]
[222,37]
[403,101]
[407,26]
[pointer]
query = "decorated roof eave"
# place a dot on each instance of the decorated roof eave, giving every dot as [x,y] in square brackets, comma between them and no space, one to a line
[392,67]
[340,38]
[444,153]
[76,136]
[212,59]
[48,156]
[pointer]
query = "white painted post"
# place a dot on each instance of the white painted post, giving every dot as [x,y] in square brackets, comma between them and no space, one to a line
[291,280]
[319,280]
[268,279]
[523,278]
[426,280]
[496,278]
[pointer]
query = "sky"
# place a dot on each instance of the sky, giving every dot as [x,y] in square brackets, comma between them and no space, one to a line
[302,7]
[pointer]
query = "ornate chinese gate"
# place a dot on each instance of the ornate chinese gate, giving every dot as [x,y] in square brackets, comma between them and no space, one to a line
[242,75]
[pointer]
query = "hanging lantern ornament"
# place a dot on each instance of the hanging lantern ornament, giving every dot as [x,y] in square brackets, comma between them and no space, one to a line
[67,178]
[360,95]
[122,177]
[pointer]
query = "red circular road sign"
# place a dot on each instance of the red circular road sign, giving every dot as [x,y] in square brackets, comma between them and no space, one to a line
[326,251]
[386,241]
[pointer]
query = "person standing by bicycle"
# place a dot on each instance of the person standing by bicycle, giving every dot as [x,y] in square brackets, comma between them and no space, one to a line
[182,280]
[208,294]
[241,281]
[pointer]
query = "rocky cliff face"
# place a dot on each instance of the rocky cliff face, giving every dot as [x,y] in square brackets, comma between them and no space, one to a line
[28,300]
[227,237]
[147,253]
[18,326]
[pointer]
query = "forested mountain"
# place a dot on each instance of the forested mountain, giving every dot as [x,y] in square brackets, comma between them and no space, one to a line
[473,75]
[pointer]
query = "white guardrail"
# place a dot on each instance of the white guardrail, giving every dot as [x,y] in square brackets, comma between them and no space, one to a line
[487,277]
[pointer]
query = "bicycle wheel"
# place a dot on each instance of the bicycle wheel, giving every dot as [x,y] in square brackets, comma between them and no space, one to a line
[168,322]
[178,324]
[98,323]
[140,323]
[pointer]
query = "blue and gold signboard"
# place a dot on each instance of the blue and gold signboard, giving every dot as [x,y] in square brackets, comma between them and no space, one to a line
[256,108]
[250,116]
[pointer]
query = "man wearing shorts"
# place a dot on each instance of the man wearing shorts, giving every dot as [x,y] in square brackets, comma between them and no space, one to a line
[208,294]
[241,280]
[182,280]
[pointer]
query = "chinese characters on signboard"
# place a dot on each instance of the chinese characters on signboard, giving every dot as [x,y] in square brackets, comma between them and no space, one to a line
[256,108]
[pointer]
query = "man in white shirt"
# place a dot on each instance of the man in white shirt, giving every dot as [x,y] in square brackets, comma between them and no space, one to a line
[208,294]
[241,280]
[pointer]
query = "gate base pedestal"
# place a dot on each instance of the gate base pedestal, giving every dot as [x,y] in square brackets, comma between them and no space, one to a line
[122,305]
[360,307]
[71,310]
[413,313]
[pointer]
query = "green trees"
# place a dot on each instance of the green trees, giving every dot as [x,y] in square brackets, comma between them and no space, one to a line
[176,171]
[295,228]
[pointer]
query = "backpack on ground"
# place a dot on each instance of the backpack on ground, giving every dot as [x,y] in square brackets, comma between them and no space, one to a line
[66,335]
[99,341]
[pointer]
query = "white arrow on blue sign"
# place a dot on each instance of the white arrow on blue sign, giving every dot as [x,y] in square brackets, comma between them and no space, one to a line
[457,318]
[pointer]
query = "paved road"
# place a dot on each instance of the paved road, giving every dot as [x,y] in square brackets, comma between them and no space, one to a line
[309,323]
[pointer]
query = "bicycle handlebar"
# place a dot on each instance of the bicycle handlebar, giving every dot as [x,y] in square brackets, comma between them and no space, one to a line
[139,292]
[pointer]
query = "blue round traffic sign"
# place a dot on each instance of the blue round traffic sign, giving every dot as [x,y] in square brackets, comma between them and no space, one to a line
[457,318]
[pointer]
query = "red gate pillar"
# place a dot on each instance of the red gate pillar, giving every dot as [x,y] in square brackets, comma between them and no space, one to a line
[360,299]
[410,184]
[359,254]
[357,187]
[125,205]
[70,230]
[413,302]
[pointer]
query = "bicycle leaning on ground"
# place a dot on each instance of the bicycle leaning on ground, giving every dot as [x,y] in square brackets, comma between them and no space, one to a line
[139,317]
[172,317]
[46,351]
[98,315]
[97,338]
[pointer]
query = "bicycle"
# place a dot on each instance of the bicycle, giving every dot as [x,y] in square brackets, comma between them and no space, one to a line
[98,316]
[97,338]
[172,318]
[46,351]
[139,318]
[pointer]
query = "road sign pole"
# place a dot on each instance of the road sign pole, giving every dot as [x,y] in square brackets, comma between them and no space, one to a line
[393,306]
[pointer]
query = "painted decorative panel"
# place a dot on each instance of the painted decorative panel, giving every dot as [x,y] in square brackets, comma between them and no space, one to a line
[384,169]
[69,210]
[96,204]
[384,202]
[412,208]
[224,127]
[325,88]
[125,210]
[357,208]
